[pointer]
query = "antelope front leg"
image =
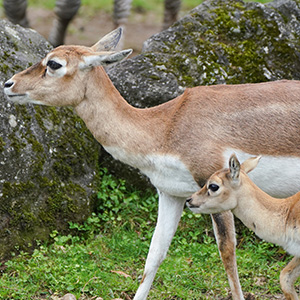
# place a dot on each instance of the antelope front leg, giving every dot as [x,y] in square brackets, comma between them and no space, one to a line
[169,213]
[225,235]
[288,276]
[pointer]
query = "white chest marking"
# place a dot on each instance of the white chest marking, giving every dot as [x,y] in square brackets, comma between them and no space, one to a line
[278,176]
[166,172]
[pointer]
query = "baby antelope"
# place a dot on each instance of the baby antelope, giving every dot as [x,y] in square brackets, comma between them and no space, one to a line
[274,220]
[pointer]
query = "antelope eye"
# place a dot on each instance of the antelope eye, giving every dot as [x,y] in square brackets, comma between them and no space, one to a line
[53,65]
[213,187]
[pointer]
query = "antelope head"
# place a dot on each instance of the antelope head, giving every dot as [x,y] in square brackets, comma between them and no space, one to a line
[223,188]
[61,78]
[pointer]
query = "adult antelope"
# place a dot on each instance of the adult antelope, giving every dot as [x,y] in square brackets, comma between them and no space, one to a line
[178,144]
[274,220]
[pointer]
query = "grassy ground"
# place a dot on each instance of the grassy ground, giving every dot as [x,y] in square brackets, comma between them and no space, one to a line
[105,257]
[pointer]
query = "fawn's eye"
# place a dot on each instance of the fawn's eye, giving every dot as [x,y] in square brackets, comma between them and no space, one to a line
[53,65]
[213,187]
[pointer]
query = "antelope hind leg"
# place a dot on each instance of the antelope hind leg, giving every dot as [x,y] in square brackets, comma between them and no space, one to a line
[288,276]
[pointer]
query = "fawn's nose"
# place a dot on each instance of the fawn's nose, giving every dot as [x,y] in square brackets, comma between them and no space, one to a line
[8,84]
[188,200]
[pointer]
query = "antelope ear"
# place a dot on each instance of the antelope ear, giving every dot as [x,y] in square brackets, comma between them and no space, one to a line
[234,167]
[250,164]
[103,59]
[109,41]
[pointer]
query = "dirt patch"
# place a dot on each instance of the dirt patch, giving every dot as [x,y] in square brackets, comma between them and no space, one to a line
[86,29]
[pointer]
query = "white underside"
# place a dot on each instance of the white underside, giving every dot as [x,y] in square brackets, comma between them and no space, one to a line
[166,172]
[278,176]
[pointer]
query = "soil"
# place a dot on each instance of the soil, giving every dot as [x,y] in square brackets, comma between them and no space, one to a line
[86,29]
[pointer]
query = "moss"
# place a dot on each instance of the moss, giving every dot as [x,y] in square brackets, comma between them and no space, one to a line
[23,113]
[55,140]
[154,77]
[238,43]
[19,211]
[16,143]
[36,146]
[4,68]
[59,206]
[14,190]
[62,169]
[2,144]
[57,155]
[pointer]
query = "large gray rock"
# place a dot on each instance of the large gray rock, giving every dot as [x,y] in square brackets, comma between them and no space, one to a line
[48,159]
[218,42]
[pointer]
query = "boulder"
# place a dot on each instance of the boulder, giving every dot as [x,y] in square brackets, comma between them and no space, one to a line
[48,159]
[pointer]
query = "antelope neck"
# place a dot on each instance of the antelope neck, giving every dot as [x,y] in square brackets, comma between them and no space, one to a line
[114,122]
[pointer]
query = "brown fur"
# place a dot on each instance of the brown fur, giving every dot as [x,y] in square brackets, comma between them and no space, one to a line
[271,218]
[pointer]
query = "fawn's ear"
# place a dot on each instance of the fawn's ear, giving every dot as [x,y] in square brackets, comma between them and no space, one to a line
[234,167]
[250,164]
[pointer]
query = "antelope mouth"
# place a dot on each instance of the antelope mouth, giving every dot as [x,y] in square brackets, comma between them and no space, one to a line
[18,98]
[16,95]
[189,204]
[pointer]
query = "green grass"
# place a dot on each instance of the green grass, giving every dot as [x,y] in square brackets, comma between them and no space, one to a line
[105,256]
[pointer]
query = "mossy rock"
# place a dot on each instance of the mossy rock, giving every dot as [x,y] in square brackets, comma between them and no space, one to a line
[48,159]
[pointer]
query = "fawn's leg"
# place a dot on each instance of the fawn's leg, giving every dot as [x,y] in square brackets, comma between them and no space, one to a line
[288,276]
[225,235]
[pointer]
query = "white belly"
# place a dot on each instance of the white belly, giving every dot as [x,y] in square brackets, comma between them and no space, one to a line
[170,175]
[166,172]
[278,176]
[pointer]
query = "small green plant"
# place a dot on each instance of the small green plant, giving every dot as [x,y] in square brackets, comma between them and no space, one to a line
[117,202]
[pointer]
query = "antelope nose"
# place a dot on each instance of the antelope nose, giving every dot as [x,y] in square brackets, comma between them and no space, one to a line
[8,84]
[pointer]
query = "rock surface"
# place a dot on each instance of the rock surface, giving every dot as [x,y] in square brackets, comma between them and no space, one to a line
[48,159]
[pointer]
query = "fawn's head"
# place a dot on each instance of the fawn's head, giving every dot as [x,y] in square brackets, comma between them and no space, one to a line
[222,189]
[61,78]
